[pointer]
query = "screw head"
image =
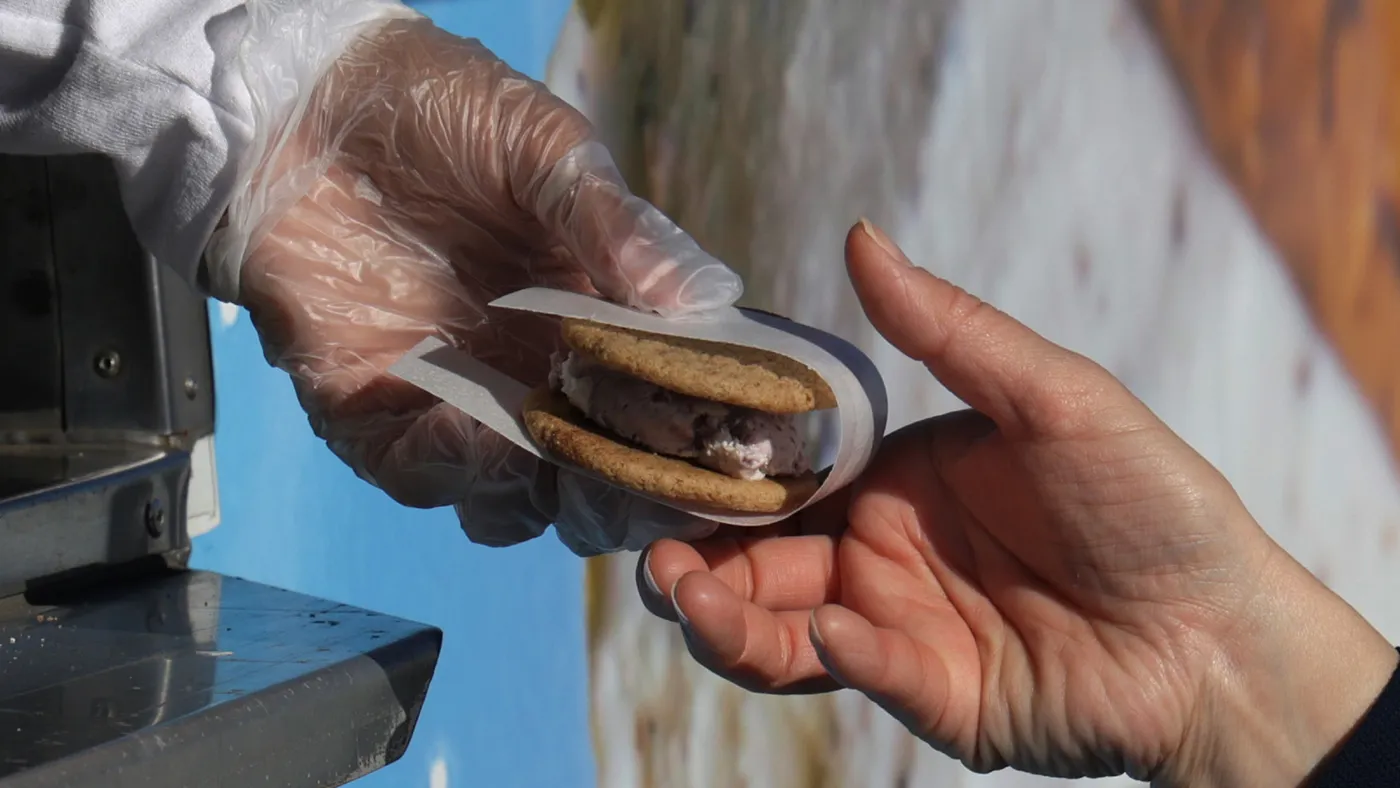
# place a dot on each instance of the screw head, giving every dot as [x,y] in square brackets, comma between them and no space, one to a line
[191,388]
[108,363]
[155,519]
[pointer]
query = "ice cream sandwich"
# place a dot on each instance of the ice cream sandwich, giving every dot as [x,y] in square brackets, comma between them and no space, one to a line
[705,424]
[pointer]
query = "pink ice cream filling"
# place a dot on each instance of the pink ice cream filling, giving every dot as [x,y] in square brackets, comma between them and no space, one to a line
[739,442]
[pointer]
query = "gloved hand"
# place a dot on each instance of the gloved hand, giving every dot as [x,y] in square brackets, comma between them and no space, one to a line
[402,178]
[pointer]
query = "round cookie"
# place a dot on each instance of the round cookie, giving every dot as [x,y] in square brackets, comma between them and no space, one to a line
[731,374]
[562,430]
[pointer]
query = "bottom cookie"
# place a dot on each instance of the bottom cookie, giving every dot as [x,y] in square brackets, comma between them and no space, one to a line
[562,430]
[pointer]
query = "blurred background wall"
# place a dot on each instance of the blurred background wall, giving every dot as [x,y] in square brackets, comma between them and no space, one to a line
[1199,194]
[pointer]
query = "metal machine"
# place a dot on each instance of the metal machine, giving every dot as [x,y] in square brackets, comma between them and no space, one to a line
[119,666]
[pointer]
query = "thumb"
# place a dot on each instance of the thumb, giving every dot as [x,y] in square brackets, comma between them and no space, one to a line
[1026,384]
[634,254]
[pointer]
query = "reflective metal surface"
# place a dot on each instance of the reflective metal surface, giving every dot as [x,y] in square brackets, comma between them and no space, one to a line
[170,678]
[106,378]
[70,508]
[192,679]
[96,338]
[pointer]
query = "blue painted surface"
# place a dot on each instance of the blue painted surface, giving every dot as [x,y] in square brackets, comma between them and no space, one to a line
[509,704]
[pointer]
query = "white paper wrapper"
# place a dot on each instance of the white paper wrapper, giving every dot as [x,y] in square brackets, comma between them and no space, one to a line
[495,399]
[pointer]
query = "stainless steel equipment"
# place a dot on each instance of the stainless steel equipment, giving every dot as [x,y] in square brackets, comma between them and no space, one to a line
[118,665]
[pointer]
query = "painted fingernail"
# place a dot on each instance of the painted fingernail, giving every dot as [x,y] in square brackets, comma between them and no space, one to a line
[883,241]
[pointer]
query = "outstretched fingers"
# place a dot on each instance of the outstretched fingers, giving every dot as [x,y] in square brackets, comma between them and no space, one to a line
[783,573]
[907,678]
[758,649]
[789,565]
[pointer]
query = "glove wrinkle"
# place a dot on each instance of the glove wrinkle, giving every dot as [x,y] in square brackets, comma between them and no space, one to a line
[403,179]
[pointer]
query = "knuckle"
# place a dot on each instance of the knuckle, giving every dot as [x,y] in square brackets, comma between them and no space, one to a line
[962,315]
[1076,395]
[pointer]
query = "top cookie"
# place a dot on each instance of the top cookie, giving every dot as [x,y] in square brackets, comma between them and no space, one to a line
[734,375]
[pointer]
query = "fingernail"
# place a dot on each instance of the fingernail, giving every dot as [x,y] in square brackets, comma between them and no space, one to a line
[820,647]
[883,241]
[696,645]
[676,606]
[647,576]
[813,634]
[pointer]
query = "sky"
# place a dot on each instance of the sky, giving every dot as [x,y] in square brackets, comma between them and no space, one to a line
[509,703]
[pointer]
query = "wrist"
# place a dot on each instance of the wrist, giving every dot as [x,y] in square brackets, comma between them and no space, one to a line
[277,56]
[1288,686]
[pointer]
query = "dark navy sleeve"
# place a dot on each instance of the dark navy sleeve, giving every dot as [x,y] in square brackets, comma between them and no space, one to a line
[1370,757]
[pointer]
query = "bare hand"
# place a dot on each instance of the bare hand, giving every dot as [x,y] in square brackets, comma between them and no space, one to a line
[1051,581]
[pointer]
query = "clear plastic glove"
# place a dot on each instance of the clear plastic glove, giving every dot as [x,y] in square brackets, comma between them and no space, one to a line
[402,179]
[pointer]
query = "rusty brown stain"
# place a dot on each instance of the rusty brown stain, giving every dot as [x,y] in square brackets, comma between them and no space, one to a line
[1341,14]
[1300,103]
[1387,227]
[596,623]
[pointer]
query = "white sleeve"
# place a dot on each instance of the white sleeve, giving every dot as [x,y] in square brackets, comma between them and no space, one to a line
[152,84]
[179,94]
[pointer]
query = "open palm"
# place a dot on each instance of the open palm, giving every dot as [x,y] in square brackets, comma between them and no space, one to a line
[1051,581]
[1028,588]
